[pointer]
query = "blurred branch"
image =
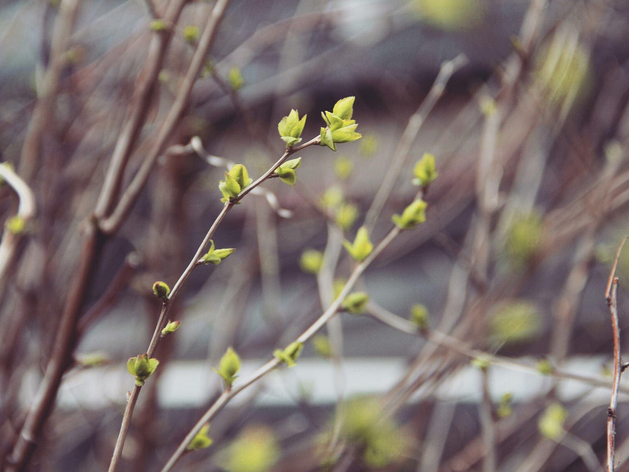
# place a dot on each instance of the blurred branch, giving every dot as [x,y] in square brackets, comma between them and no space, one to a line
[611,295]
[405,143]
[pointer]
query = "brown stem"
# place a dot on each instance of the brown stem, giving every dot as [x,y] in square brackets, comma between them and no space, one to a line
[611,295]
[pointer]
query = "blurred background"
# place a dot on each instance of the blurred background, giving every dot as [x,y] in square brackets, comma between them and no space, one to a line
[487,341]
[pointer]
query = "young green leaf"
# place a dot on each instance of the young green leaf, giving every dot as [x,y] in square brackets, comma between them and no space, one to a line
[344,108]
[332,198]
[228,367]
[290,354]
[290,128]
[236,180]
[361,247]
[412,215]
[355,303]
[201,439]
[216,256]
[425,171]
[15,224]
[141,367]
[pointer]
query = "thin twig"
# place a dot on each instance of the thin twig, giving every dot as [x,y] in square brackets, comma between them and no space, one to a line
[611,295]
[271,365]
[194,262]
[408,137]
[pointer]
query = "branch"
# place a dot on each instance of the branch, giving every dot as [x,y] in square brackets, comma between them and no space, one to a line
[163,316]
[408,137]
[274,363]
[110,224]
[611,295]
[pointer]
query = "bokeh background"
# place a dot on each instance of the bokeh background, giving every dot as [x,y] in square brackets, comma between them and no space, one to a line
[523,103]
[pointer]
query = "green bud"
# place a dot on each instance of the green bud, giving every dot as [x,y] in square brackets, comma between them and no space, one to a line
[201,440]
[191,33]
[286,171]
[289,355]
[341,128]
[355,303]
[142,368]
[412,215]
[171,327]
[235,78]
[216,256]
[343,167]
[158,25]
[161,290]
[419,316]
[504,408]
[15,224]
[361,247]
[290,128]
[229,367]
[544,367]
[346,216]
[425,171]
[481,363]
[322,346]
[236,180]
[552,420]
[332,198]
[311,261]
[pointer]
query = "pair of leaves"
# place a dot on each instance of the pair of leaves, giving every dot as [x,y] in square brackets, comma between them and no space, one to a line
[340,126]
[361,247]
[412,215]
[229,367]
[290,354]
[236,180]
[201,440]
[290,128]
[216,256]
[142,368]
[286,171]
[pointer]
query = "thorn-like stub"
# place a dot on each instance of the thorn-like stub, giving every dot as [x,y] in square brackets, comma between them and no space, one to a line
[610,413]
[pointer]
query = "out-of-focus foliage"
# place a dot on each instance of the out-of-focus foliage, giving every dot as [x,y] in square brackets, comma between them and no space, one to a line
[522,239]
[451,14]
[378,438]
[563,69]
[514,322]
[552,420]
[255,450]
